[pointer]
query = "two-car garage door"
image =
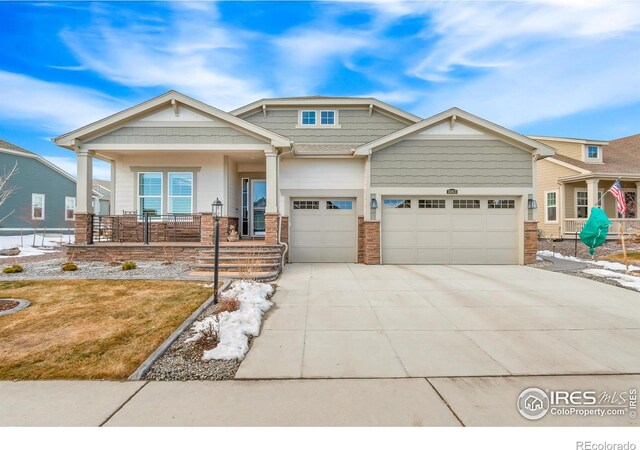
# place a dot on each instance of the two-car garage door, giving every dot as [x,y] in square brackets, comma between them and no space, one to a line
[425,230]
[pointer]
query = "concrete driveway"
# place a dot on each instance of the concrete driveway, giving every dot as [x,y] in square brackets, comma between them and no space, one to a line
[357,321]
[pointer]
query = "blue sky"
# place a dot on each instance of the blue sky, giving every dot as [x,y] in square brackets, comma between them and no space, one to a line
[561,67]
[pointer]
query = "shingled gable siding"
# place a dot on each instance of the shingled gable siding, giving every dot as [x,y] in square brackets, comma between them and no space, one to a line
[356,127]
[459,163]
[176,135]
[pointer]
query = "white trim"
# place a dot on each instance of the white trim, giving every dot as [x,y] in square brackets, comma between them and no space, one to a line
[576,141]
[40,159]
[509,136]
[567,165]
[169,196]
[585,154]
[33,197]
[103,126]
[178,147]
[65,208]
[546,211]
[318,121]
[138,196]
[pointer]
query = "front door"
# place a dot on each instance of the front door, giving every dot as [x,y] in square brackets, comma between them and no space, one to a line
[258,205]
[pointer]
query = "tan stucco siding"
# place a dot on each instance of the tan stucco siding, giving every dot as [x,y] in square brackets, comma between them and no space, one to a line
[547,180]
[175,135]
[355,126]
[452,163]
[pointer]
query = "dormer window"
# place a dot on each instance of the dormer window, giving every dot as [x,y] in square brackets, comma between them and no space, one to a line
[593,152]
[320,118]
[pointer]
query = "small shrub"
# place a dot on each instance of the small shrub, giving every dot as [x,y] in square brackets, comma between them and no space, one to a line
[16,268]
[226,305]
[69,267]
[128,265]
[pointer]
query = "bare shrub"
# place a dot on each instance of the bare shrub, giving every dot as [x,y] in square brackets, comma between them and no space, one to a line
[226,305]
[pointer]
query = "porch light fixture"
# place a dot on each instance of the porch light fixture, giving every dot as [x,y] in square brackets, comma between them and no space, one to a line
[216,210]
[374,203]
[532,204]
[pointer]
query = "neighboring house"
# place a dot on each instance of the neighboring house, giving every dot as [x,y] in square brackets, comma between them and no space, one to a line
[44,195]
[339,179]
[102,197]
[575,179]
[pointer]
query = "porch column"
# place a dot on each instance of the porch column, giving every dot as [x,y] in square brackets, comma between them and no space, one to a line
[271,210]
[84,182]
[592,192]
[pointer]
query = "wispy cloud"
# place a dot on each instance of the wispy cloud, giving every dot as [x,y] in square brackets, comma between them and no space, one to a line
[52,106]
[190,51]
[101,170]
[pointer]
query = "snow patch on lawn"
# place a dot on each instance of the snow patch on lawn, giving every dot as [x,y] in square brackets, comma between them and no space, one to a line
[605,264]
[623,279]
[235,328]
[51,242]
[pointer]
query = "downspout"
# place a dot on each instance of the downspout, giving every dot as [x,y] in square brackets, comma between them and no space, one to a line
[286,246]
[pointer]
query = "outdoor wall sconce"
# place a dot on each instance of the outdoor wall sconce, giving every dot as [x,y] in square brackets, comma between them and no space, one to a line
[374,203]
[533,204]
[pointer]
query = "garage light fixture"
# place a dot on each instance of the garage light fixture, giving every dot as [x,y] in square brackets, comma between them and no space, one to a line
[533,204]
[374,203]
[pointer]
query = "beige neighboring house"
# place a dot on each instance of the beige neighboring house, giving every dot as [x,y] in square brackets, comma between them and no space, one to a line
[336,179]
[575,179]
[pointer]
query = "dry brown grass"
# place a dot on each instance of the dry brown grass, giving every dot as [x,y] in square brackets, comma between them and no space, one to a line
[225,305]
[632,257]
[90,329]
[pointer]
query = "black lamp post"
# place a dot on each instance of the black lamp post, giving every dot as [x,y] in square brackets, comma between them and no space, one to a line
[216,209]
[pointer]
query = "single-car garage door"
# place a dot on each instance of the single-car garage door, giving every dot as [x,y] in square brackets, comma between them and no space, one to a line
[429,230]
[323,230]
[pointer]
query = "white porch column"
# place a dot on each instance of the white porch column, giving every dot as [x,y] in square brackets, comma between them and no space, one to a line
[592,192]
[112,197]
[272,183]
[84,183]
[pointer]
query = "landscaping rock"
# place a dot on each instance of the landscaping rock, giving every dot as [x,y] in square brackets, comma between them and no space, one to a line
[15,251]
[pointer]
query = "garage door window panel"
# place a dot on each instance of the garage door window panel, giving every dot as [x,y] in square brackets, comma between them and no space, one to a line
[502,204]
[339,204]
[397,203]
[466,204]
[431,204]
[306,204]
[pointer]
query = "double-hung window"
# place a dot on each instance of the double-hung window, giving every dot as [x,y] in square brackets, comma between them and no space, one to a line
[69,207]
[37,206]
[582,205]
[180,192]
[150,192]
[593,152]
[551,206]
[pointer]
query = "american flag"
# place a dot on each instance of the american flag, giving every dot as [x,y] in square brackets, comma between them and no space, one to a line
[616,191]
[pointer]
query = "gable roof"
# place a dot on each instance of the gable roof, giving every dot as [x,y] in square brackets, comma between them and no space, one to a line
[168,99]
[318,100]
[455,114]
[6,145]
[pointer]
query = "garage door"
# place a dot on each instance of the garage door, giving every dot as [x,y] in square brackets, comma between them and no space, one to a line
[323,230]
[426,230]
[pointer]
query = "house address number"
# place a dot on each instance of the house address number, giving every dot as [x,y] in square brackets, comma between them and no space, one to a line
[452,191]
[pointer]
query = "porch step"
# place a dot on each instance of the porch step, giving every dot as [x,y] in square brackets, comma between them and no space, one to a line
[246,261]
[258,276]
[239,258]
[240,266]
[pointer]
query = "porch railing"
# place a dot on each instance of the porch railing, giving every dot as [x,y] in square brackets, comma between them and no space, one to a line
[146,228]
[573,225]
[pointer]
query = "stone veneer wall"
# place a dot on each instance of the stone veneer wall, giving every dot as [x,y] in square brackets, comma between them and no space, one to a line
[207,228]
[361,240]
[134,252]
[271,228]
[83,229]
[530,242]
[371,242]
[284,234]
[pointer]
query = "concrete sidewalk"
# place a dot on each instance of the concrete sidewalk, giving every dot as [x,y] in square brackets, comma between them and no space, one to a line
[469,401]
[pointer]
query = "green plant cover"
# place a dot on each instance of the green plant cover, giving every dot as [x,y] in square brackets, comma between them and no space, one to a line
[16,268]
[129,265]
[594,232]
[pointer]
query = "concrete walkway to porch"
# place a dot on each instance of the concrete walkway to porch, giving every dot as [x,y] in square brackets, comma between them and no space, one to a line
[357,321]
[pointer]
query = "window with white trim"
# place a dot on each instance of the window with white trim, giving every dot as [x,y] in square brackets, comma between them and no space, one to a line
[593,152]
[306,204]
[150,192]
[37,206]
[339,204]
[582,204]
[308,117]
[69,207]
[180,192]
[431,204]
[398,203]
[551,206]
[327,117]
[501,204]
[466,204]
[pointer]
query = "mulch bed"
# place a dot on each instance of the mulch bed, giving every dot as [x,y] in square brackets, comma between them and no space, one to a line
[6,305]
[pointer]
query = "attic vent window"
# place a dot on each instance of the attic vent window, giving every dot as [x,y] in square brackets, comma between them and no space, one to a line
[308,118]
[593,152]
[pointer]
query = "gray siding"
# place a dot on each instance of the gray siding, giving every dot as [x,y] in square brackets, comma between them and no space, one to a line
[464,163]
[176,135]
[356,127]
[35,177]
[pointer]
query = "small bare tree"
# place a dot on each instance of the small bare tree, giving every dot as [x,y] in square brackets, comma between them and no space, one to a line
[6,188]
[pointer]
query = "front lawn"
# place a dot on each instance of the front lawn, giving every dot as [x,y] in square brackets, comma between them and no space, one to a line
[90,329]
[632,257]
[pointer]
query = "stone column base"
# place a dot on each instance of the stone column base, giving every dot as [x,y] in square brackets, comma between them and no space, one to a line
[206,229]
[360,240]
[83,232]
[371,242]
[530,242]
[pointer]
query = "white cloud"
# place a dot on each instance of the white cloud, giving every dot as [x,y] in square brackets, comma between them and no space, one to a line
[51,106]
[190,52]
[101,169]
